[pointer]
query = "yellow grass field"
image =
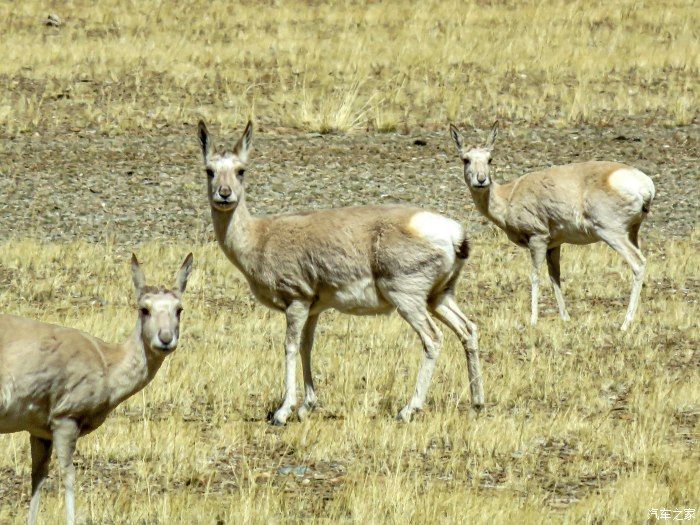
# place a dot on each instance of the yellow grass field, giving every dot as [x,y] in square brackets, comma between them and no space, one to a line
[117,66]
[583,424]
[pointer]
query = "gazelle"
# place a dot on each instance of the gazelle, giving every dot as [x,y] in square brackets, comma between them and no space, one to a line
[578,203]
[59,384]
[358,260]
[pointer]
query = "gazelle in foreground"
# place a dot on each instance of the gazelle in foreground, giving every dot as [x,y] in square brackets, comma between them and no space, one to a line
[359,260]
[59,384]
[578,203]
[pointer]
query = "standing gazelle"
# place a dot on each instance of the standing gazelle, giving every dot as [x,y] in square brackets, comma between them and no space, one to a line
[59,384]
[578,203]
[359,260]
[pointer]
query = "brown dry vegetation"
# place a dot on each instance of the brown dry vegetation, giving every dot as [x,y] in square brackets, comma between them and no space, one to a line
[583,424]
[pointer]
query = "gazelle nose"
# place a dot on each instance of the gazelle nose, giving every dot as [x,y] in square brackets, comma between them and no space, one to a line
[225,191]
[481,178]
[165,335]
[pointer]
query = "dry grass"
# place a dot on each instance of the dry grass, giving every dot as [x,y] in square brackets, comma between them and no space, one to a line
[583,424]
[117,66]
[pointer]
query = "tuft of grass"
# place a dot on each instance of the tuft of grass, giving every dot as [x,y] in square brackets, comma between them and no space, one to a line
[338,110]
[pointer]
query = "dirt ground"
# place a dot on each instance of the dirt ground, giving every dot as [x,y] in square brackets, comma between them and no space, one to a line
[135,188]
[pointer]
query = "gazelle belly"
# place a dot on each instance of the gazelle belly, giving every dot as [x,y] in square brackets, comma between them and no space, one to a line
[358,297]
[581,233]
[24,415]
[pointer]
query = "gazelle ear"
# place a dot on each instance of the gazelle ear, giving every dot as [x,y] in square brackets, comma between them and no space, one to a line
[457,137]
[183,273]
[204,140]
[137,275]
[492,136]
[242,147]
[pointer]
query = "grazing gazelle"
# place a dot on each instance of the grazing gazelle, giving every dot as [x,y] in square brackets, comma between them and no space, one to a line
[359,260]
[59,384]
[578,203]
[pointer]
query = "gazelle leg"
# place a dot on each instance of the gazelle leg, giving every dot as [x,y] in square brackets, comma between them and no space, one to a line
[41,456]
[538,251]
[297,313]
[554,276]
[448,312]
[415,312]
[623,245]
[633,235]
[65,434]
[307,343]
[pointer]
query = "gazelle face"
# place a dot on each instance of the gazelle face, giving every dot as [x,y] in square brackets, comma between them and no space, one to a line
[225,181]
[477,161]
[477,168]
[226,171]
[160,312]
[160,308]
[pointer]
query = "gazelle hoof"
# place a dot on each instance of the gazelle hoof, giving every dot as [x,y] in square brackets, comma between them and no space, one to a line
[279,418]
[405,414]
[304,412]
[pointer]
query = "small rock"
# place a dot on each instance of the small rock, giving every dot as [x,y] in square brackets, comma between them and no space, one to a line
[297,471]
[53,20]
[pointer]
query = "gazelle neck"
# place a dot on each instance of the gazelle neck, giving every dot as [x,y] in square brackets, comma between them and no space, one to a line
[133,369]
[235,232]
[491,203]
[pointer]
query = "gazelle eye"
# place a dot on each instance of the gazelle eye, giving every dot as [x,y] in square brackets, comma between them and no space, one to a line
[490,161]
[240,172]
[144,311]
[178,312]
[210,173]
[466,162]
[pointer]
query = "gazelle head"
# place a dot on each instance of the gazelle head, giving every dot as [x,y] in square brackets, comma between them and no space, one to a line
[477,160]
[160,308]
[226,170]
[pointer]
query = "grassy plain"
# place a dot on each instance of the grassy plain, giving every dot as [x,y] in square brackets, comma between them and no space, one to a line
[118,66]
[583,424]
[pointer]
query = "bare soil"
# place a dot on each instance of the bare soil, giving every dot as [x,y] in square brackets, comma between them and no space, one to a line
[136,188]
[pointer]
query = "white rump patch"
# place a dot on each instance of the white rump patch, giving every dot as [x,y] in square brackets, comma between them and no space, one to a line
[632,182]
[441,231]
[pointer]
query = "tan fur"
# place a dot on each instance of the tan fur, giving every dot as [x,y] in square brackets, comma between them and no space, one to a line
[59,383]
[358,260]
[579,203]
